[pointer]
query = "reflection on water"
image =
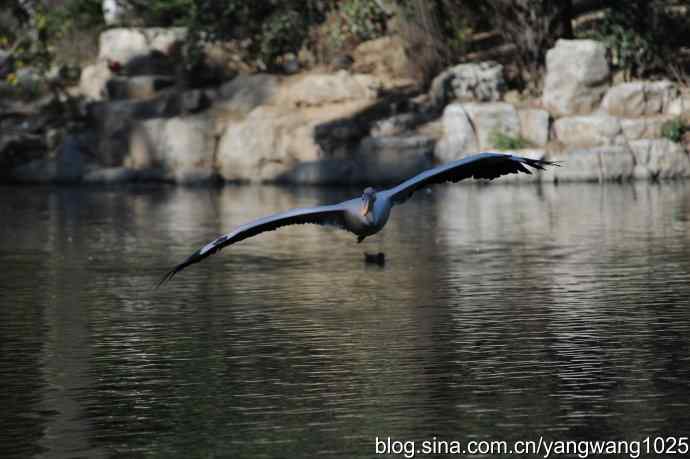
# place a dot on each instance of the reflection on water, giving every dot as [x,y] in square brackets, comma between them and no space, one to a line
[503,312]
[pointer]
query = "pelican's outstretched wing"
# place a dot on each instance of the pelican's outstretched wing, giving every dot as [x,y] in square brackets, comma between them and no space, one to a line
[481,166]
[325,215]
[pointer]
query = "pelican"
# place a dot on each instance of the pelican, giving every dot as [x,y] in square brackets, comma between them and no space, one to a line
[368,214]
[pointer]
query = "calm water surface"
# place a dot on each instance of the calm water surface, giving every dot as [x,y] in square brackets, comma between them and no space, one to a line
[503,312]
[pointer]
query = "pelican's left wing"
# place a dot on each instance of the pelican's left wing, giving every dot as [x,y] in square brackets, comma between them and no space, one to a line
[480,166]
[325,215]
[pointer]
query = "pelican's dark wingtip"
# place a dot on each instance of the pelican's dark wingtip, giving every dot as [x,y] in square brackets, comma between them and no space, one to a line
[540,163]
[194,258]
[168,276]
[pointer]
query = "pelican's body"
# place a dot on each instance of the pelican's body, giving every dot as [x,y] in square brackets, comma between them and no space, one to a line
[371,222]
[369,213]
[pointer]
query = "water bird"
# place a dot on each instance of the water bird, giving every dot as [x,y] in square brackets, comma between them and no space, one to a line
[378,259]
[367,215]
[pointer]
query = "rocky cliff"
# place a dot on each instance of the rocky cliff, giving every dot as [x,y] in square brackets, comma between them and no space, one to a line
[350,126]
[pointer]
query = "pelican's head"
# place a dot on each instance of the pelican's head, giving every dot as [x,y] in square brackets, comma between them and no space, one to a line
[368,199]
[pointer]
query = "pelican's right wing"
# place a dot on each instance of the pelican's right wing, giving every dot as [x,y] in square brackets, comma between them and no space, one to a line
[480,166]
[325,215]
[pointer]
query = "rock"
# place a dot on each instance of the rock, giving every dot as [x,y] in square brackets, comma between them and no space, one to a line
[36,171]
[138,87]
[644,128]
[320,89]
[492,118]
[577,75]
[377,161]
[596,164]
[158,63]
[390,160]
[244,93]
[70,162]
[459,136]
[385,56]
[181,148]
[534,125]
[680,106]
[660,158]
[640,98]
[321,172]
[278,143]
[399,124]
[66,167]
[482,82]
[93,81]
[588,130]
[266,145]
[122,45]
[109,175]
[113,122]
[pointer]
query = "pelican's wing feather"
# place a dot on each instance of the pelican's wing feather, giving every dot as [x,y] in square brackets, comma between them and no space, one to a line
[480,166]
[333,215]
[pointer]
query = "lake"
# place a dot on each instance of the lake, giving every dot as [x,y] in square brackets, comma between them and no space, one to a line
[503,312]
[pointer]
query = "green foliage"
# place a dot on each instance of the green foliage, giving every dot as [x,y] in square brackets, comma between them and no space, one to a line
[267,29]
[364,18]
[643,35]
[674,129]
[346,24]
[504,141]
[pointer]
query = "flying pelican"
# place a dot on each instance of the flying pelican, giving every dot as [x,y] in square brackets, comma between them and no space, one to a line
[367,215]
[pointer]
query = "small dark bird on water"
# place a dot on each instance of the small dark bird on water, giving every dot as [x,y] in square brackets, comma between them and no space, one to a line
[375,258]
[367,215]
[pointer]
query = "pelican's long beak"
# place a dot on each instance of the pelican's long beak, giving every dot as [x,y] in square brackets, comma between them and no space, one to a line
[367,204]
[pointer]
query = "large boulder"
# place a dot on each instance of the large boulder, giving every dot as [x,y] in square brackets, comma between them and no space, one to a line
[679,106]
[660,158]
[596,164]
[481,82]
[471,127]
[388,160]
[244,93]
[588,130]
[459,136]
[377,161]
[180,149]
[491,119]
[93,81]
[650,127]
[266,145]
[534,125]
[319,89]
[65,167]
[138,87]
[123,45]
[640,98]
[577,75]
